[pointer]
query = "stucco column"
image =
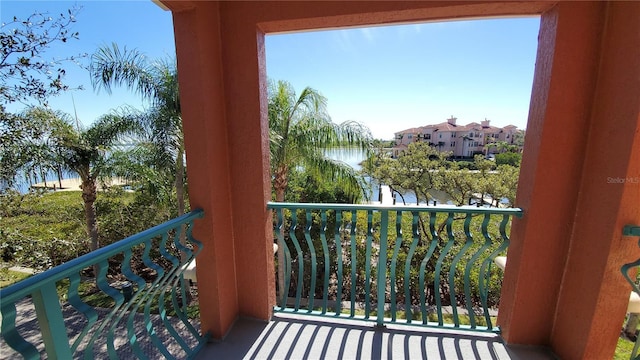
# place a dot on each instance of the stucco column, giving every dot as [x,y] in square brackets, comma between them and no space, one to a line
[593,298]
[562,284]
[552,165]
[203,102]
[245,78]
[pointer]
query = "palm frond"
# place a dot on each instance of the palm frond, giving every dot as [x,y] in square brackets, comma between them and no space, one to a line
[301,131]
[337,172]
[111,66]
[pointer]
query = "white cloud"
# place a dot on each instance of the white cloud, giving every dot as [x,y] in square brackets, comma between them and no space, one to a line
[368,35]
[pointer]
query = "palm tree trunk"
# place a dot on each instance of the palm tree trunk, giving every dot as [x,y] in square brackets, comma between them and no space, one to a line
[179,182]
[89,195]
[59,172]
[181,208]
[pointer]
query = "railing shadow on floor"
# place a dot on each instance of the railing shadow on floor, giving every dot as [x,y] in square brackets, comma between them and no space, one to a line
[293,336]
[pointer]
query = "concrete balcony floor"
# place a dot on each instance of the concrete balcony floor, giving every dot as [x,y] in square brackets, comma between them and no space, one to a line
[290,336]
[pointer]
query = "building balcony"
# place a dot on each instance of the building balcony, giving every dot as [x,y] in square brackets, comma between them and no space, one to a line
[436,277]
[430,265]
[562,287]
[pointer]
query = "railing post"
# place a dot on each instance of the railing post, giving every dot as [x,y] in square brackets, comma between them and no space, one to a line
[49,314]
[382,266]
[631,230]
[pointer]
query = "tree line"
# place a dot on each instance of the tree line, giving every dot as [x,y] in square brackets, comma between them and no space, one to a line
[421,169]
[144,147]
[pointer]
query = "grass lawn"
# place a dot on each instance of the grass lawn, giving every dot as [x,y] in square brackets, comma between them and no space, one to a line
[623,350]
[51,215]
[8,277]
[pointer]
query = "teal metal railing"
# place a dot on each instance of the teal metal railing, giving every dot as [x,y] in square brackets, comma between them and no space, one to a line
[136,306]
[427,265]
[631,230]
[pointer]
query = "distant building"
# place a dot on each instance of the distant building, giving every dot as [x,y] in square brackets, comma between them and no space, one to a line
[461,140]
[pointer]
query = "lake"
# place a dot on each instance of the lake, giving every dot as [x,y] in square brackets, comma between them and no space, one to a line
[354,160]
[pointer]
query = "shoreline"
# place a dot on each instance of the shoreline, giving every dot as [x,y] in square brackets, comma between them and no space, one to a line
[73,184]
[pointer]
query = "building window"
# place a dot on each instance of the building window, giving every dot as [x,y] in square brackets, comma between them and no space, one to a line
[475,143]
[440,136]
[453,144]
[453,134]
[410,136]
[427,136]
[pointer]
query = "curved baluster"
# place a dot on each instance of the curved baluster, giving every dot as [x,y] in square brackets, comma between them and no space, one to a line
[11,334]
[367,265]
[325,250]
[423,265]
[438,269]
[118,298]
[354,261]
[483,277]
[42,288]
[452,275]
[407,268]
[296,244]
[165,279]
[312,252]
[287,257]
[191,257]
[88,311]
[625,272]
[147,299]
[471,263]
[173,282]
[339,261]
[394,260]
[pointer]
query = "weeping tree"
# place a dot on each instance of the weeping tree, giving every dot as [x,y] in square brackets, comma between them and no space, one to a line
[301,133]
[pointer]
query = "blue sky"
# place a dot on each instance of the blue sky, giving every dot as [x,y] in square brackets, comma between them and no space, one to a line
[389,77]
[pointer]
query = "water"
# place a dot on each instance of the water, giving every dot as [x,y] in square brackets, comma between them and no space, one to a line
[354,160]
[22,185]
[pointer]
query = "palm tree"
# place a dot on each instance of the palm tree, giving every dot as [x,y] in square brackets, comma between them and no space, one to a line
[84,151]
[157,82]
[300,133]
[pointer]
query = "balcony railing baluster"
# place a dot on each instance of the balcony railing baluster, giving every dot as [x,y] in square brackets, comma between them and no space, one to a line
[398,259]
[632,230]
[123,317]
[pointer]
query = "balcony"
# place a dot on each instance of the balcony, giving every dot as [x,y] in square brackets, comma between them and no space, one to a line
[432,266]
[564,254]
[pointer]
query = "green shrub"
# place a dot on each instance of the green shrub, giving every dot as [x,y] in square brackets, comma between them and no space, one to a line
[509,158]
